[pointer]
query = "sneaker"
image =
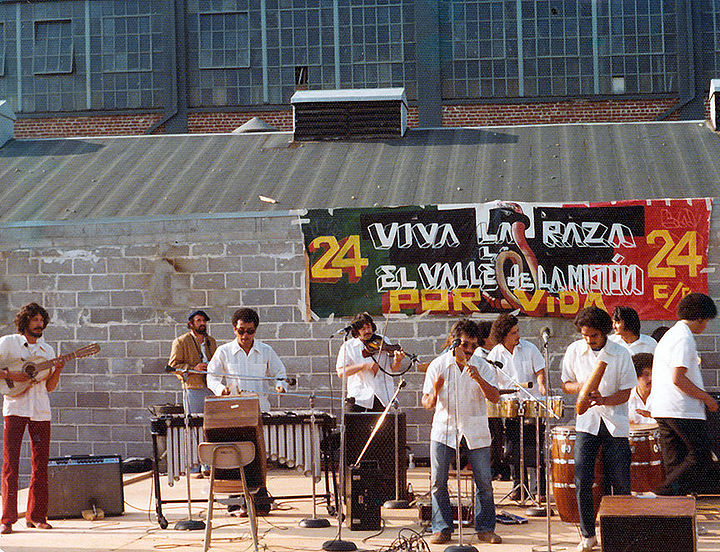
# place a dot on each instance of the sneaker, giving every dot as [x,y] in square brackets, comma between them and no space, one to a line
[489,536]
[440,538]
[586,544]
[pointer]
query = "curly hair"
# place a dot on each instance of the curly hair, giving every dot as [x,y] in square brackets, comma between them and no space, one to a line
[594,317]
[27,313]
[502,326]
[247,315]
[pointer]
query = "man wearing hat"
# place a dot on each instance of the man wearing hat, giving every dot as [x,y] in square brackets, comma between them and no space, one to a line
[192,351]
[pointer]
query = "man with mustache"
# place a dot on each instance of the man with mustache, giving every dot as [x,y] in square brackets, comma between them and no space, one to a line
[30,409]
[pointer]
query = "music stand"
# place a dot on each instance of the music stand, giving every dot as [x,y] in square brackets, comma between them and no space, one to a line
[189,524]
[339,545]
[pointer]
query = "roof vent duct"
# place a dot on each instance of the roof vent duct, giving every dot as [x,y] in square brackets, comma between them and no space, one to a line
[7,122]
[349,114]
[254,125]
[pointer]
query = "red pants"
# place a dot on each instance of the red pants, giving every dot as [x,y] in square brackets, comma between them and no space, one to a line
[40,448]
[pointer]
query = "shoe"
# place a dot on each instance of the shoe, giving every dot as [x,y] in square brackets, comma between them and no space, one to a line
[38,524]
[198,475]
[206,473]
[586,544]
[5,529]
[489,536]
[440,538]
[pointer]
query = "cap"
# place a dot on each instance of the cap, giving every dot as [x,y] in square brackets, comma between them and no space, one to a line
[194,313]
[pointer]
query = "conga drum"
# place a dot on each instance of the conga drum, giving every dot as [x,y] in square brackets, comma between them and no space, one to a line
[646,467]
[563,475]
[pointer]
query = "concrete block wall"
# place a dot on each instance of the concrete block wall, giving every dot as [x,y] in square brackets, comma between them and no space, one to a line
[129,286]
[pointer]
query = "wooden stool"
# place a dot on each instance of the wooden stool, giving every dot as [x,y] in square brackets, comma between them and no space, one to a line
[228,456]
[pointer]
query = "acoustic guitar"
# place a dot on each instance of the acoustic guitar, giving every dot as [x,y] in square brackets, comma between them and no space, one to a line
[37,369]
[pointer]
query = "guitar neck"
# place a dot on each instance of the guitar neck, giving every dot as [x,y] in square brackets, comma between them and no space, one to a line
[49,363]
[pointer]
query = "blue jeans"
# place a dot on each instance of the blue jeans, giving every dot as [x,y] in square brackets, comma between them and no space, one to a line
[616,471]
[442,516]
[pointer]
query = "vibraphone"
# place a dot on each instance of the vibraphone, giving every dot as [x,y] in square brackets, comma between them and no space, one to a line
[288,439]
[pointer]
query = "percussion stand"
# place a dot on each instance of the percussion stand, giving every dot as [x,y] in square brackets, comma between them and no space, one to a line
[314,522]
[339,545]
[189,524]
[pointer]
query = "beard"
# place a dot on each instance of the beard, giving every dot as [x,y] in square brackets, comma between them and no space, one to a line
[35,332]
[201,330]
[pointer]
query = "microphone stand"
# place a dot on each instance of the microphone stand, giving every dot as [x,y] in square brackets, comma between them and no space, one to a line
[314,522]
[548,510]
[461,546]
[189,524]
[339,545]
[398,503]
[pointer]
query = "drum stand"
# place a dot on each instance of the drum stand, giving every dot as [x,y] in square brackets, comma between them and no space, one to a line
[339,545]
[189,524]
[521,486]
[314,522]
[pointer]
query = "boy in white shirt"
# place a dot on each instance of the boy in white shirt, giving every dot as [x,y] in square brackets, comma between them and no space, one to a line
[638,403]
[678,400]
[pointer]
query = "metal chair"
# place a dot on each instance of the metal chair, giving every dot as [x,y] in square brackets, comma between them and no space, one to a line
[228,456]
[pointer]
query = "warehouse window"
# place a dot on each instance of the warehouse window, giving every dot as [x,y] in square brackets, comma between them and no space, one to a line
[224,41]
[53,51]
[126,44]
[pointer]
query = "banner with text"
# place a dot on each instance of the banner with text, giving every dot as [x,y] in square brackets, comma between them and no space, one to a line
[543,259]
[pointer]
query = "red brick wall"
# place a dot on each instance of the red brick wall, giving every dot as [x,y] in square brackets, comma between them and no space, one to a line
[111,125]
[573,111]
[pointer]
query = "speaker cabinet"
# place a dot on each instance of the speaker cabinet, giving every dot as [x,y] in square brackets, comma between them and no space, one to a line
[358,427]
[77,483]
[363,503]
[647,524]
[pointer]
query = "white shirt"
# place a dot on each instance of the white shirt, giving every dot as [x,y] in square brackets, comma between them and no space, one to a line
[634,402]
[522,365]
[643,344]
[363,386]
[580,362]
[676,348]
[35,403]
[472,412]
[231,360]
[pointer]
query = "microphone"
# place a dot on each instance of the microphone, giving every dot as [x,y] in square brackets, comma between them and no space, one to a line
[546,333]
[455,343]
[169,368]
[346,329]
[292,382]
[495,363]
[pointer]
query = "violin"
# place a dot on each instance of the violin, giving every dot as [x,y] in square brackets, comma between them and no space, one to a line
[376,344]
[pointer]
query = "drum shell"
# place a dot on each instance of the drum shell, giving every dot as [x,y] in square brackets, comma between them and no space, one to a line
[493,409]
[509,407]
[646,467]
[563,475]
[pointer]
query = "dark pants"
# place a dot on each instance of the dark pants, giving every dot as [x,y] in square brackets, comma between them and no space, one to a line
[616,468]
[13,432]
[376,407]
[686,456]
[498,465]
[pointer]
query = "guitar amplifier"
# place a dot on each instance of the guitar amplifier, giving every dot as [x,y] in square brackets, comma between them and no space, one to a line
[77,483]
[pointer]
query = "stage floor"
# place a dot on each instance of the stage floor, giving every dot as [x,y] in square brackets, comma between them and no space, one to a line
[138,530]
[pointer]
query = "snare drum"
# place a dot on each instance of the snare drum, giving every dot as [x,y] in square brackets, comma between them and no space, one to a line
[646,467]
[563,475]
[509,407]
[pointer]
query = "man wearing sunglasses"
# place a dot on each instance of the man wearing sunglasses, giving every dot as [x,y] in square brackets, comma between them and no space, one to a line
[246,364]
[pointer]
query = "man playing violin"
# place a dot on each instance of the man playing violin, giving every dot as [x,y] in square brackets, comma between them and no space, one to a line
[31,409]
[602,372]
[366,360]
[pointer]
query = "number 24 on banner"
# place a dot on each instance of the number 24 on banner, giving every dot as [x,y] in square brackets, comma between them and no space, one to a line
[339,257]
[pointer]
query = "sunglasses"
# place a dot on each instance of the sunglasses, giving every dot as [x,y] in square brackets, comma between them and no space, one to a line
[248,331]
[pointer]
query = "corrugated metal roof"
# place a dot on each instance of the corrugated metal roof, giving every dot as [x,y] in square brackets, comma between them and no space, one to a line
[95,178]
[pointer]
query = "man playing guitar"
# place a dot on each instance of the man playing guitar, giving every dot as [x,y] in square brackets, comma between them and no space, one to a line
[30,409]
